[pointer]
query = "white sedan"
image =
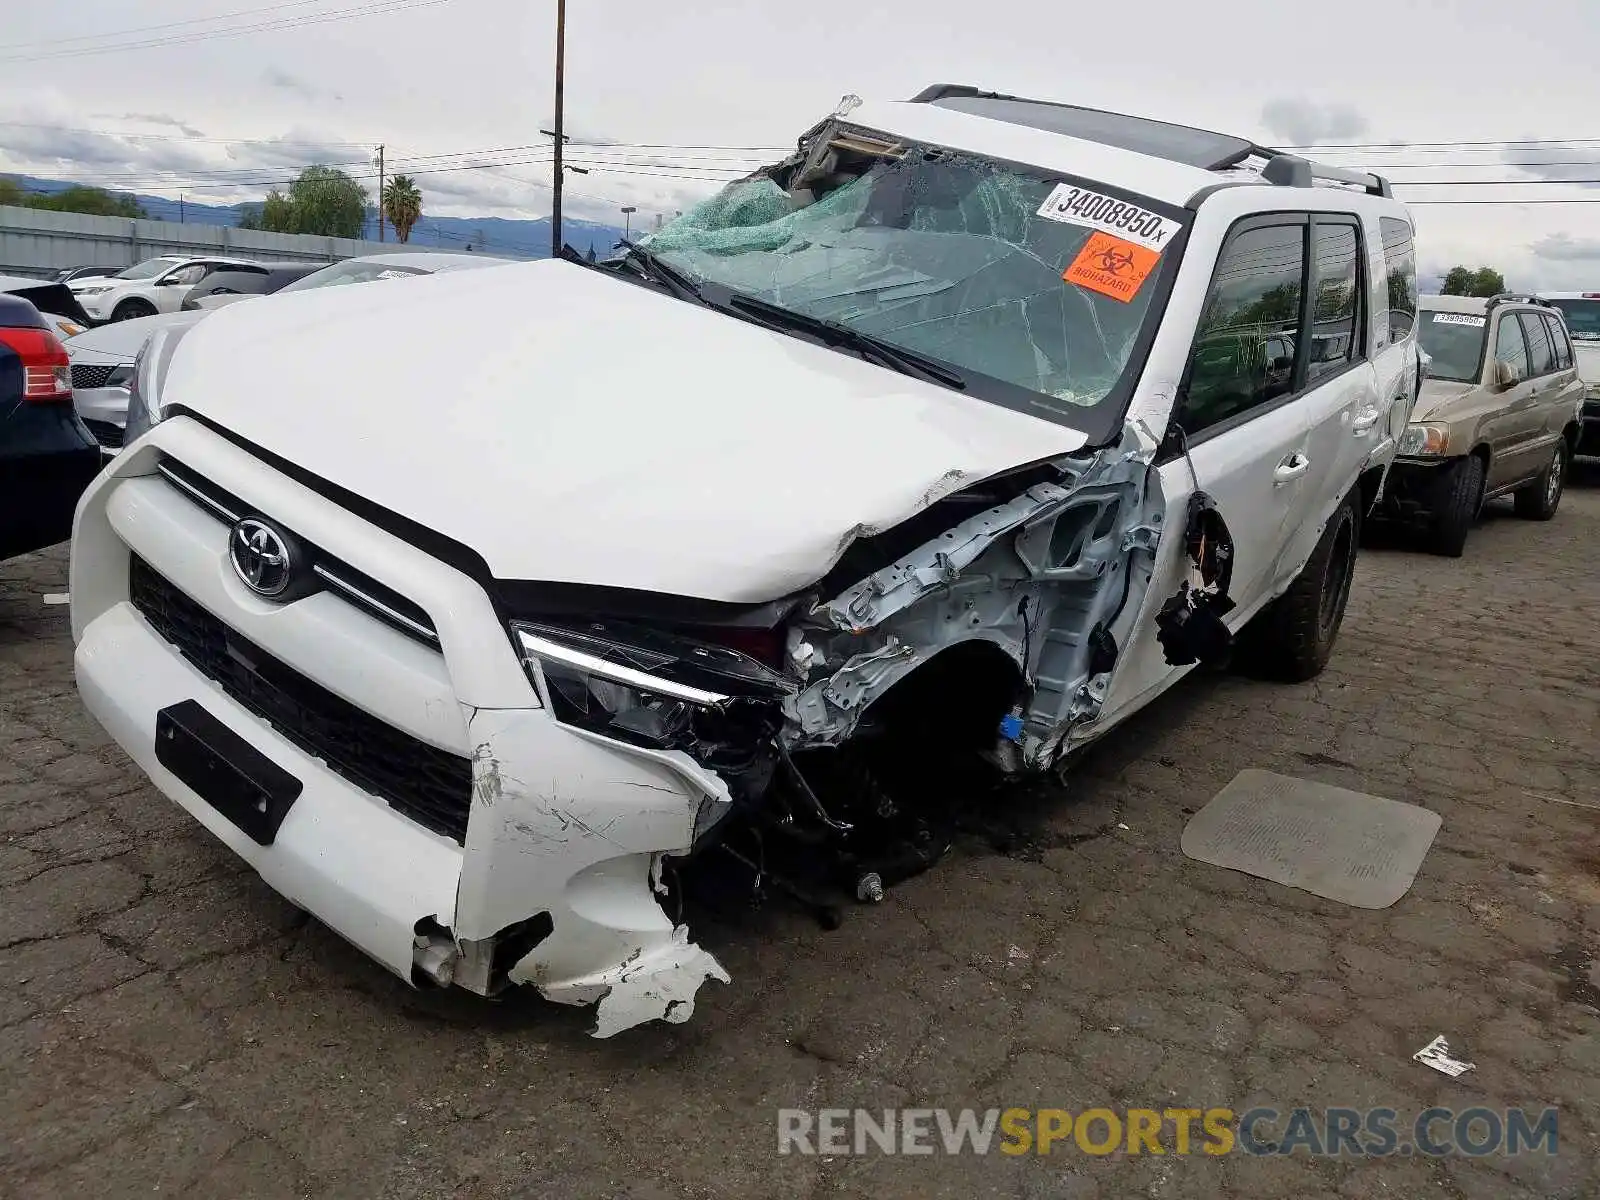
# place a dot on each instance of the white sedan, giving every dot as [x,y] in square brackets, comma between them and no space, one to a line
[102,359]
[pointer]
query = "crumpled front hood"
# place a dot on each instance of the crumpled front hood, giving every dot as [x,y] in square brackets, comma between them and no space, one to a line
[1437,396]
[125,339]
[599,432]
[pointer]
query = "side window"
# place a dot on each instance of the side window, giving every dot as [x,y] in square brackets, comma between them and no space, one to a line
[1335,318]
[1509,346]
[1244,351]
[193,273]
[1400,263]
[1558,339]
[1541,360]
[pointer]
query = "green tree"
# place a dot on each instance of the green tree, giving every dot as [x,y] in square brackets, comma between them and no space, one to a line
[323,200]
[92,200]
[402,204]
[1465,281]
[326,201]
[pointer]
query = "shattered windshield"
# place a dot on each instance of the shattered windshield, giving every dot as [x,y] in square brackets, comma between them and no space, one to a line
[1006,273]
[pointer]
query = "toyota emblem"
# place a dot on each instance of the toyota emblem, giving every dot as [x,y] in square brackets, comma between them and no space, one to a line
[261,557]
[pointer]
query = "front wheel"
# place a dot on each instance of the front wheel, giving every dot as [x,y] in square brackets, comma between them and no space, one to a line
[128,310]
[1460,499]
[1540,499]
[1298,630]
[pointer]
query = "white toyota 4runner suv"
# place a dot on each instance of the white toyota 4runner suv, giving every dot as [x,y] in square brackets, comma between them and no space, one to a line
[961,433]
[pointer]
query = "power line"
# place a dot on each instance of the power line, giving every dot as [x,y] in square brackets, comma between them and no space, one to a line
[380,8]
[140,29]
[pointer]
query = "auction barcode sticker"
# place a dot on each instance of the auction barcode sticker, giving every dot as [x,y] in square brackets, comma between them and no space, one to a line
[1441,318]
[1074,205]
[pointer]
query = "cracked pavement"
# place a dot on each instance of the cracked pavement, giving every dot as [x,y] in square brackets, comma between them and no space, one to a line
[172,1027]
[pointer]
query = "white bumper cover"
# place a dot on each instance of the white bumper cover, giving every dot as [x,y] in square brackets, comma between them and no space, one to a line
[563,828]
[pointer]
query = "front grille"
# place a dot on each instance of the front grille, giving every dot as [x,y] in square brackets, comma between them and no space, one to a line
[431,786]
[349,584]
[107,434]
[91,375]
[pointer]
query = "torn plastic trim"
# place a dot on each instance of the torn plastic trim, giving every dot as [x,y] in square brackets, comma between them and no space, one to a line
[562,869]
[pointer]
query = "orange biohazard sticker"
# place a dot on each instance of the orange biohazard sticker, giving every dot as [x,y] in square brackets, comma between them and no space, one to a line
[1112,267]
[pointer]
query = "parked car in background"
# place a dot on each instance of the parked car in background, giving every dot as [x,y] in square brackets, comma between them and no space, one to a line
[72,273]
[1582,313]
[55,303]
[101,361]
[221,288]
[1497,414]
[722,544]
[103,358]
[47,457]
[154,286]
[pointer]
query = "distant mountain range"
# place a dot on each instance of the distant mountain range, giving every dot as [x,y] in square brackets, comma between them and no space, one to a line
[494,235]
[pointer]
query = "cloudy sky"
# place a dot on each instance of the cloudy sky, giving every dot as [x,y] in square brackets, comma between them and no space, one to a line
[663,102]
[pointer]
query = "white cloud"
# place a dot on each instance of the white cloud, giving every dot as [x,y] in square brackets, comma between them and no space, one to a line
[1301,122]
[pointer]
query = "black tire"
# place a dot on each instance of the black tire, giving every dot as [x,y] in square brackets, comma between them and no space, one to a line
[1540,499]
[1295,635]
[1461,497]
[128,310]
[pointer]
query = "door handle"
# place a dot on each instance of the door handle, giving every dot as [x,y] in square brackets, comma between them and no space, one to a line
[1290,469]
[1364,421]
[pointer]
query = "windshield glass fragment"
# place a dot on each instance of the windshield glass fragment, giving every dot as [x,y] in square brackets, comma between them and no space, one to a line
[943,254]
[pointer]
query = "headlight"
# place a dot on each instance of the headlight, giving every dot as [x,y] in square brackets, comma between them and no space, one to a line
[92,291]
[655,690]
[1420,440]
[147,376]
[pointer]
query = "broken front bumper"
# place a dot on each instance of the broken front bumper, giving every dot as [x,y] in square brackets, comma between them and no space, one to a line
[552,880]
[1416,488]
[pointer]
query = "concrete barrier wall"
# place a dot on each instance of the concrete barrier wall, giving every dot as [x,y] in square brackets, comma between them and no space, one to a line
[37,243]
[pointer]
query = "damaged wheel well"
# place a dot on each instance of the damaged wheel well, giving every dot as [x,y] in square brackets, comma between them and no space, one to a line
[956,698]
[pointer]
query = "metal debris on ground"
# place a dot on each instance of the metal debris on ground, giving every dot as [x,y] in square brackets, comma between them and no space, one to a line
[1436,1054]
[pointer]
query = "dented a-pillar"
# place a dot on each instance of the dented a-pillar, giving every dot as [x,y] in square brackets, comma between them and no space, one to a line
[561,867]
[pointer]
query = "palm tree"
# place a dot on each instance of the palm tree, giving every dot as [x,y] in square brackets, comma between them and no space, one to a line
[402,204]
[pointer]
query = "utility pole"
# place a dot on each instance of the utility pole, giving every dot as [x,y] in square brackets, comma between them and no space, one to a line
[380,193]
[627,221]
[180,208]
[560,135]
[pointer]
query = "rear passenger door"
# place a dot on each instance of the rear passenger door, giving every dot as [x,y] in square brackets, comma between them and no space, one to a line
[1337,387]
[1565,399]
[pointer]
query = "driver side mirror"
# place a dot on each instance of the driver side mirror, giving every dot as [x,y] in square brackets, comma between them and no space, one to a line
[1506,375]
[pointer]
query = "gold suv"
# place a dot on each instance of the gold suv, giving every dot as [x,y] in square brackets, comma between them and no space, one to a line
[1498,413]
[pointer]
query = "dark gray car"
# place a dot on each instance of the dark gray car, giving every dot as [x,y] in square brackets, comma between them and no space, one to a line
[232,283]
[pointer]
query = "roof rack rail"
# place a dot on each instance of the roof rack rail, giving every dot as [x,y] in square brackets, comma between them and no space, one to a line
[1516,298]
[1188,144]
[1290,170]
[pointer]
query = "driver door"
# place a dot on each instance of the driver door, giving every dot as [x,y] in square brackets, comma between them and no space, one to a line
[170,290]
[1248,434]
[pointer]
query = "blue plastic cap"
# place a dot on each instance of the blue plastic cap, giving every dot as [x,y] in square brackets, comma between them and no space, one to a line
[1011,727]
